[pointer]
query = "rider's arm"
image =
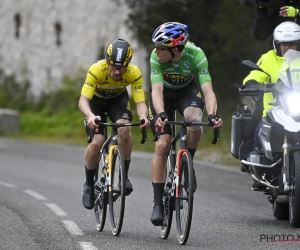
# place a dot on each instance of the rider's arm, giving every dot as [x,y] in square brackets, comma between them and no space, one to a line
[84,106]
[156,84]
[205,82]
[157,97]
[138,94]
[210,98]
[88,90]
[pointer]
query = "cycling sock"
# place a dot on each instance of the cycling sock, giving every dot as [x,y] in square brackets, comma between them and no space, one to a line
[158,190]
[89,174]
[127,163]
[192,152]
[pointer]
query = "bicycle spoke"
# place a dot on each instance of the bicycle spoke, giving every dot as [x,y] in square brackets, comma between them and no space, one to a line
[117,196]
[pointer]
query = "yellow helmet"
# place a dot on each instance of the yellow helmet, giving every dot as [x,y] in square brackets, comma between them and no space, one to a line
[119,53]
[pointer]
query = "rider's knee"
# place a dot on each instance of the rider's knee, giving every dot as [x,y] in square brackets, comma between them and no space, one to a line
[195,118]
[124,133]
[162,147]
[95,145]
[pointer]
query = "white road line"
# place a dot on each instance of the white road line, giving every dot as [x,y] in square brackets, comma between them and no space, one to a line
[7,184]
[57,210]
[87,246]
[72,227]
[34,194]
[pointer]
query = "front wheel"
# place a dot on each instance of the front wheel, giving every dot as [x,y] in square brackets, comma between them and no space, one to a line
[294,195]
[184,198]
[168,201]
[100,207]
[117,191]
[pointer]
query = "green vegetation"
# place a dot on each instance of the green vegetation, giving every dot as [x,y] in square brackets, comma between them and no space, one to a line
[55,118]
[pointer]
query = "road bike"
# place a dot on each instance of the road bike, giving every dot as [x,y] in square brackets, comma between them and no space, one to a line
[178,192]
[110,180]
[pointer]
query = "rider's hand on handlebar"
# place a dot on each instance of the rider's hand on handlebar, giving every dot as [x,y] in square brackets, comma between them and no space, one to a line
[145,124]
[288,11]
[161,119]
[215,120]
[91,122]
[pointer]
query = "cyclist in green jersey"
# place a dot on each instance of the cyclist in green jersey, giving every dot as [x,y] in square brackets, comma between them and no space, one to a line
[175,63]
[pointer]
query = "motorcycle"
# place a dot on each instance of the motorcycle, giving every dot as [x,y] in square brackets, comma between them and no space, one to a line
[276,164]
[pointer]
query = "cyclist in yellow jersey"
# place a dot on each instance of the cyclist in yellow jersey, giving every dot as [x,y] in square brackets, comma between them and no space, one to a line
[104,91]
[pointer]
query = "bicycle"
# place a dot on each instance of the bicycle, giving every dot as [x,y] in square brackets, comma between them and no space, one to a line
[110,187]
[178,192]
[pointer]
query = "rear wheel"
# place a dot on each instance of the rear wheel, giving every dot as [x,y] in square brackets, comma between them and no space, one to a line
[184,201]
[294,195]
[117,192]
[168,201]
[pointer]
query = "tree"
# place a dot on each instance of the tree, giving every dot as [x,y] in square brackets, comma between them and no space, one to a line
[221,28]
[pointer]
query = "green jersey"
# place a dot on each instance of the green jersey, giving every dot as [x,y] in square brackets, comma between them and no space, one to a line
[178,76]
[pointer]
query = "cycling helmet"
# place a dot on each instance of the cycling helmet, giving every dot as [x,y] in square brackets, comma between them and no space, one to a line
[171,34]
[119,53]
[285,32]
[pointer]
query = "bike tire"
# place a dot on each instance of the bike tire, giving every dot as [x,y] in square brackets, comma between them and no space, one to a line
[168,201]
[101,201]
[294,194]
[118,191]
[184,201]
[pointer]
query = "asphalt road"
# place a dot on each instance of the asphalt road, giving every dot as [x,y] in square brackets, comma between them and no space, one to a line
[40,206]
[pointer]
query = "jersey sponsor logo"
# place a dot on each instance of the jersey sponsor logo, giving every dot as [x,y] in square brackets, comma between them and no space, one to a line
[153,61]
[139,78]
[138,89]
[104,83]
[204,72]
[154,72]
[186,64]
[177,79]
[108,93]
[125,116]
[201,62]
[103,70]
[119,54]
[89,84]
[93,75]
[190,55]
[128,106]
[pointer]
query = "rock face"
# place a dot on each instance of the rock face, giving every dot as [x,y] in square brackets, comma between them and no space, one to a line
[42,41]
[9,121]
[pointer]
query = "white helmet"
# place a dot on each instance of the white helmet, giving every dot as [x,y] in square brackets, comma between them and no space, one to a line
[285,32]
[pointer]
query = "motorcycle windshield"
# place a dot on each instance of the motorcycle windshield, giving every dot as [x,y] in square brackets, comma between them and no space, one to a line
[289,73]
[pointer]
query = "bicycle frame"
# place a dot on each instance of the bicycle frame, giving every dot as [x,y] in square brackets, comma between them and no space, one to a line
[175,160]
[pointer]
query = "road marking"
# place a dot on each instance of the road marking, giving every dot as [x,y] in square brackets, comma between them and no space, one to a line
[34,194]
[57,210]
[72,227]
[5,184]
[87,246]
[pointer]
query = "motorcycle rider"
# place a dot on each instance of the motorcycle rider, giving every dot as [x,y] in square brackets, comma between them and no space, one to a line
[285,36]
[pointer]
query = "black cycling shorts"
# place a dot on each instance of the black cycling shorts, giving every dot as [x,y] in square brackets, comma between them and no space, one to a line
[115,108]
[179,98]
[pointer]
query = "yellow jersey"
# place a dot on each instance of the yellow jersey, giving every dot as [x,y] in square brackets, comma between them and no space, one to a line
[98,82]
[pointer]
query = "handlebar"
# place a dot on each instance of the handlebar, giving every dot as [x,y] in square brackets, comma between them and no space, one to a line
[118,125]
[255,89]
[188,124]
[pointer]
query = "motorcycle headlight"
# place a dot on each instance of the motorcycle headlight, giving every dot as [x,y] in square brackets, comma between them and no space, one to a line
[292,103]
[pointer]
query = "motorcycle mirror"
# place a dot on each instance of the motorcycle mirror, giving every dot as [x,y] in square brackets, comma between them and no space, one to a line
[254,66]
